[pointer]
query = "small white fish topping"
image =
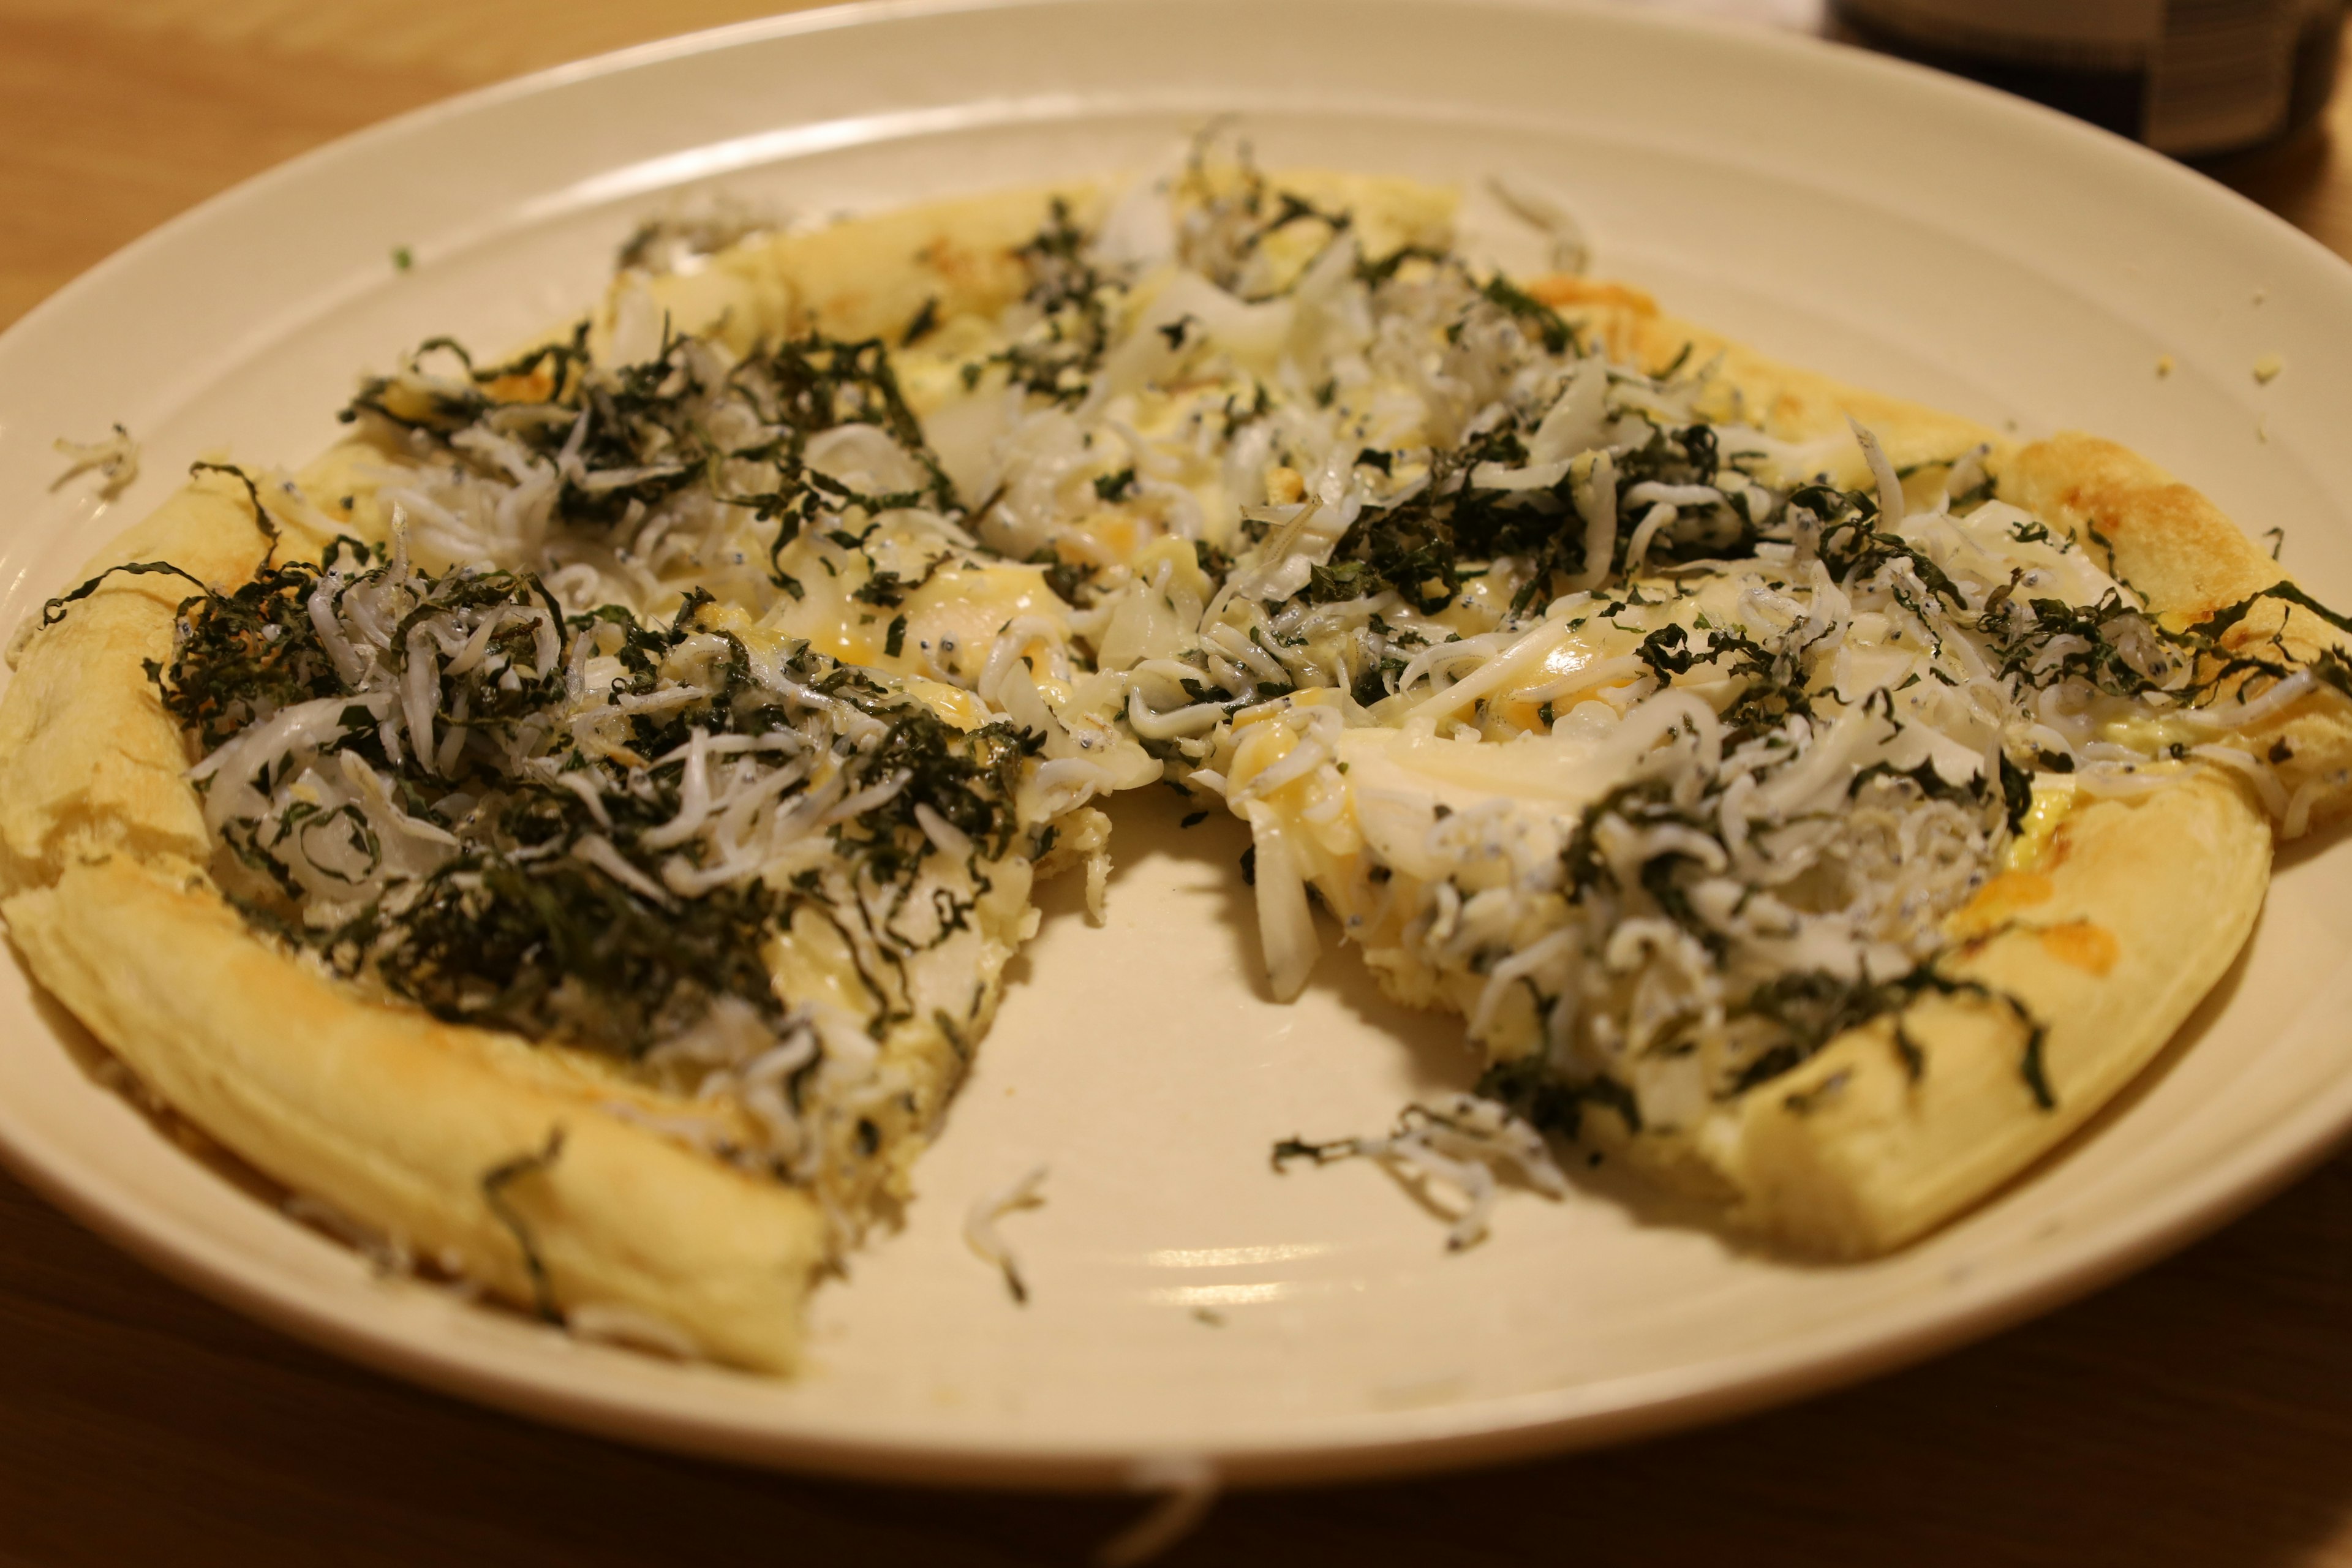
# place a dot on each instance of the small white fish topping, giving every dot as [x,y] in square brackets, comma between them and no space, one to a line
[116,458]
[1463,1141]
[980,1230]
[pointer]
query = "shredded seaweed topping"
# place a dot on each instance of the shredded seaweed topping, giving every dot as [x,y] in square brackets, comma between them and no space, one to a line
[495,1182]
[621,443]
[580,827]
[1057,358]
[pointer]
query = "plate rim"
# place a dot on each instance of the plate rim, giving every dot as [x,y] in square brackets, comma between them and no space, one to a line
[1476,1432]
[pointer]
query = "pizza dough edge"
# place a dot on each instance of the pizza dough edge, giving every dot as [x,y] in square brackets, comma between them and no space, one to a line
[373,1109]
[2187,558]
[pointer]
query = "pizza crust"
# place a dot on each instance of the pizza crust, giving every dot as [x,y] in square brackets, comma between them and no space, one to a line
[1800,406]
[863,279]
[2187,559]
[395,1119]
[89,764]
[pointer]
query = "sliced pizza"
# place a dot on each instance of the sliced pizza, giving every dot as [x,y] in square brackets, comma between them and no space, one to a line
[578,826]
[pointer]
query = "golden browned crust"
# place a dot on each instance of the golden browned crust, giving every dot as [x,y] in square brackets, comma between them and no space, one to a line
[2167,540]
[870,278]
[1797,406]
[396,1119]
[89,764]
[866,278]
[2187,559]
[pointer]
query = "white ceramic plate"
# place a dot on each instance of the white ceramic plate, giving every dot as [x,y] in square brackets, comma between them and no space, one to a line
[1900,230]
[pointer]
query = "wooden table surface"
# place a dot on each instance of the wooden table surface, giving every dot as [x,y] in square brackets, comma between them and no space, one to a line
[2199,1414]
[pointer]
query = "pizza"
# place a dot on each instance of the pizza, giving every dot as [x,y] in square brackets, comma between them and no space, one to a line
[575,830]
